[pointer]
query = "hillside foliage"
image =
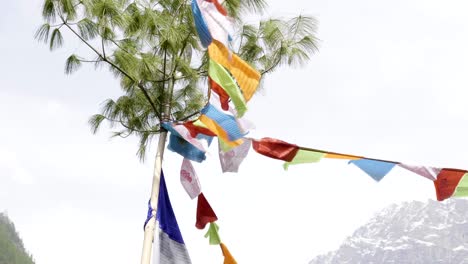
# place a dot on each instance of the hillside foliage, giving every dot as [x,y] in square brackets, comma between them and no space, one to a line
[12,250]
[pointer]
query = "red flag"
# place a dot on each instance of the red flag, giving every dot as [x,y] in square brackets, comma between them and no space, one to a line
[275,148]
[195,130]
[446,182]
[219,7]
[205,213]
[223,96]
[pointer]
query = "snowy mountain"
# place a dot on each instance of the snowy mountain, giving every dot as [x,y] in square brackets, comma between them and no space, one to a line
[412,232]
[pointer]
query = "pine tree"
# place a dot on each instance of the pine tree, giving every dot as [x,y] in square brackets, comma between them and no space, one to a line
[152,47]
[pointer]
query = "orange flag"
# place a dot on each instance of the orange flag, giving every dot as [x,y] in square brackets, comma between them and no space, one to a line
[228,258]
[246,76]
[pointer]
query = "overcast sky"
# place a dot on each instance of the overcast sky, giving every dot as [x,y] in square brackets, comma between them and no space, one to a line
[389,82]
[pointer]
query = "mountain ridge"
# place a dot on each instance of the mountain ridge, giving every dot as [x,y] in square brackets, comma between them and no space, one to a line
[411,232]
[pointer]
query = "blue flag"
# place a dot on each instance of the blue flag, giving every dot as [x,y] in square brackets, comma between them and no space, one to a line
[172,249]
[374,168]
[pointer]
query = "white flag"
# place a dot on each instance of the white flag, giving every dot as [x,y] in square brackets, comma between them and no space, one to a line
[231,159]
[220,26]
[189,179]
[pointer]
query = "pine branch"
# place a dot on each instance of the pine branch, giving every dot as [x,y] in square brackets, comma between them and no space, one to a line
[139,85]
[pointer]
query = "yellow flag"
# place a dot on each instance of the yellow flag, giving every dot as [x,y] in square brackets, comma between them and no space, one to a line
[219,131]
[246,76]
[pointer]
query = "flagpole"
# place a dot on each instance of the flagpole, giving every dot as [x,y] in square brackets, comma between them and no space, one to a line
[151,225]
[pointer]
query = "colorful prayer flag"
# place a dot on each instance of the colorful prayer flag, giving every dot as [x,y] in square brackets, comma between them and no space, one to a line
[227,122]
[185,149]
[222,77]
[222,94]
[230,160]
[375,168]
[205,213]
[213,235]
[341,156]
[462,187]
[228,258]
[171,249]
[246,76]
[218,130]
[219,25]
[275,148]
[183,132]
[201,26]
[427,172]
[446,183]
[189,179]
[304,156]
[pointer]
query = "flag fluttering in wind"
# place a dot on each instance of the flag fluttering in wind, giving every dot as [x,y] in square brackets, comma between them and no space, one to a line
[171,248]
[205,213]
[375,168]
[189,179]
[228,258]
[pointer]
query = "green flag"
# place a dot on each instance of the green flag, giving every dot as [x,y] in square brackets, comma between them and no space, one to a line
[213,235]
[304,156]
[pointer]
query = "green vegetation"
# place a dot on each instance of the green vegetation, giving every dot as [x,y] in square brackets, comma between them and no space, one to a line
[11,247]
[153,49]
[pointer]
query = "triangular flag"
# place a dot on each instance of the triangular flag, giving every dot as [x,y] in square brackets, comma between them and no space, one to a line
[275,148]
[446,182]
[213,234]
[205,213]
[230,160]
[228,258]
[462,187]
[375,168]
[171,248]
[189,179]
[427,172]
[304,156]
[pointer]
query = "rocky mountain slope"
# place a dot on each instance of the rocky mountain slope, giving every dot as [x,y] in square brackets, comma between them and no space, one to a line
[412,232]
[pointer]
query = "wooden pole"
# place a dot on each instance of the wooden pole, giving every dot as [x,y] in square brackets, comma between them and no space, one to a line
[151,225]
